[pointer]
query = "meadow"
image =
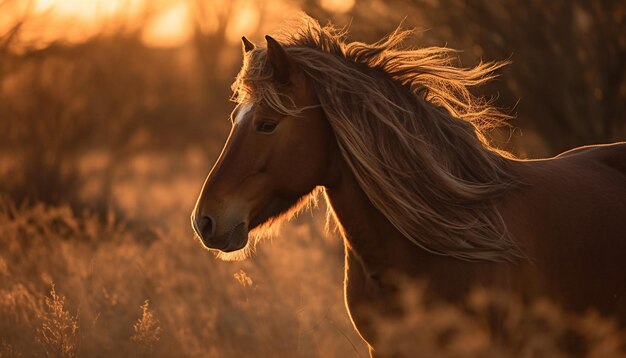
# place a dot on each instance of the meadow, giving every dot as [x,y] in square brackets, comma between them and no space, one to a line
[105,142]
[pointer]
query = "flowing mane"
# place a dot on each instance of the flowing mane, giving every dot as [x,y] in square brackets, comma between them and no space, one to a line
[409,129]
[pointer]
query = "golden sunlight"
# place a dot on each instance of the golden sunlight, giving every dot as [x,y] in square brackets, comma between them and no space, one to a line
[77,20]
[79,8]
[245,21]
[337,6]
[171,28]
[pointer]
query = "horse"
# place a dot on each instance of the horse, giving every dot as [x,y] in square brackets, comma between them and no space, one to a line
[397,144]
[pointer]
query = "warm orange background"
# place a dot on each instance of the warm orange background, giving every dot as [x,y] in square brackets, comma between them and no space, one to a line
[113,111]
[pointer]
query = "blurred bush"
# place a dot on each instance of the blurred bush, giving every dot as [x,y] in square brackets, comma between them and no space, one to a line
[111,96]
[286,301]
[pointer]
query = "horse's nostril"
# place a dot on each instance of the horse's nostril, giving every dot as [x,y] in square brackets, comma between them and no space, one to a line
[207,227]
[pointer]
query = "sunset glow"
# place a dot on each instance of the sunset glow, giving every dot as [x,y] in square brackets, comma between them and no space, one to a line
[170,28]
[73,20]
[337,6]
[76,20]
[245,21]
[84,9]
[166,24]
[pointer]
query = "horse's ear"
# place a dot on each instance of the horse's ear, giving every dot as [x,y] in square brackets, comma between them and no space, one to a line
[279,60]
[247,45]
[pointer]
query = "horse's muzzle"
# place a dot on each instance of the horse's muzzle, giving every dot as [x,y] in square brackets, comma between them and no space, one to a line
[234,239]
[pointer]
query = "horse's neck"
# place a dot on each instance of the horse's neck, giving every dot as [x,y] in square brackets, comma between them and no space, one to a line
[370,239]
[382,252]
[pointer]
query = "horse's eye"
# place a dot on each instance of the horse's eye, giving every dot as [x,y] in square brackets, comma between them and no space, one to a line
[266,127]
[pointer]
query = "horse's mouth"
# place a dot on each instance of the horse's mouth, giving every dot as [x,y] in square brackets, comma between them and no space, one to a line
[274,209]
[235,239]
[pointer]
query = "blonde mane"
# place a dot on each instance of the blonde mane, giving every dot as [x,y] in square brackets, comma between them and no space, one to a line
[409,129]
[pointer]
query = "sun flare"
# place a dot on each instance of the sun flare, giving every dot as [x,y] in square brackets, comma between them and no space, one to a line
[170,28]
[167,24]
[338,6]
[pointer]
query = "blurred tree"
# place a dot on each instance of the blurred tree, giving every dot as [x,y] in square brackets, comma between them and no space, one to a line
[569,57]
[108,95]
[8,35]
[367,20]
[211,22]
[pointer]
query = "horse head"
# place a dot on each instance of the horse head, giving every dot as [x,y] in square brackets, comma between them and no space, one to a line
[271,158]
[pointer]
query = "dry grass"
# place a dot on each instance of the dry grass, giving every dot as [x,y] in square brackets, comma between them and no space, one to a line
[286,301]
[147,331]
[494,324]
[58,331]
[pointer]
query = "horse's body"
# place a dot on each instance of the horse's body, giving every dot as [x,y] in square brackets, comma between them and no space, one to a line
[415,189]
[567,217]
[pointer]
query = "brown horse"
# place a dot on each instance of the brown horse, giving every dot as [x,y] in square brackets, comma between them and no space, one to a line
[395,141]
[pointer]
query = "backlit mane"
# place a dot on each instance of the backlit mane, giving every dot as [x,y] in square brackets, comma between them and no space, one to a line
[409,129]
